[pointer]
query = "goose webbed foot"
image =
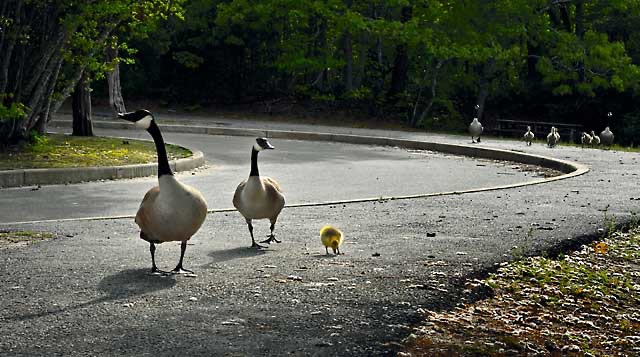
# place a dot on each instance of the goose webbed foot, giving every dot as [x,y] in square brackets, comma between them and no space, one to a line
[272,238]
[158,272]
[180,270]
[477,141]
[257,246]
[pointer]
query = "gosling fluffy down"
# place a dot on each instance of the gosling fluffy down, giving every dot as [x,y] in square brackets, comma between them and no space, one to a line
[331,238]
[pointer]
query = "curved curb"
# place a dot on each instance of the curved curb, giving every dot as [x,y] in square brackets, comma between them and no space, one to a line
[569,168]
[29,177]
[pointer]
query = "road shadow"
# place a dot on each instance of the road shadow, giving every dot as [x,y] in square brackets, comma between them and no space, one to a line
[132,282]
[124,284]
[224,255]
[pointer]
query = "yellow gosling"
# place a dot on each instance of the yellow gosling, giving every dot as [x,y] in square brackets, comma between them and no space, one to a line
[331,237]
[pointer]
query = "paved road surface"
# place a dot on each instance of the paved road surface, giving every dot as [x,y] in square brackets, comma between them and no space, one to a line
[87,293]
[308,172]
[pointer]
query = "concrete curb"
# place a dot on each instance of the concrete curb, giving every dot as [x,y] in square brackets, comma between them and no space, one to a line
[568,168]
[28,177]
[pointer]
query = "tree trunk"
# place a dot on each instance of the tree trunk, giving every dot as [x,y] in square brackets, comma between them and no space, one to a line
[81,106]
[434,85]
[7,51]
[579,20]
[401,61]
[485,79]
[348,59]
[113,79]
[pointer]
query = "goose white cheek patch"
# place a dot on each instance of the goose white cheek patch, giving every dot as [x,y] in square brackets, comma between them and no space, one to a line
[257,147]
[144,123]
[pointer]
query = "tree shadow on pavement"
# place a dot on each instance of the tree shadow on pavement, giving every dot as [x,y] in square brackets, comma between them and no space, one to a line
[124,284]
[220,256]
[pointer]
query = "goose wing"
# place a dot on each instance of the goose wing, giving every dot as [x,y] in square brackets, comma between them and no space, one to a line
[274,196]
[144,217]
[237,195]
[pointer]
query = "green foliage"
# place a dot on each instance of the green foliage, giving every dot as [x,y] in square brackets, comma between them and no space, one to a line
[239,51]
[14,111]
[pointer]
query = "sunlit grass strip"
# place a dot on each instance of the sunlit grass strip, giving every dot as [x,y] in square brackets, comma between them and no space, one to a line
[587,302]
[23,237]
[63,151]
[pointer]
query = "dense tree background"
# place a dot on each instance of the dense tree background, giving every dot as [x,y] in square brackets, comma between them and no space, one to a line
[48,48]
[427,63]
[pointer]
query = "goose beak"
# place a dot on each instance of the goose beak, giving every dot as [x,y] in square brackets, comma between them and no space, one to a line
[131,116]
[135,116]
[269,146]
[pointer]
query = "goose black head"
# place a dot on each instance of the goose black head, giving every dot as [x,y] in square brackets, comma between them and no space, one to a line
[262,143]
[142,118]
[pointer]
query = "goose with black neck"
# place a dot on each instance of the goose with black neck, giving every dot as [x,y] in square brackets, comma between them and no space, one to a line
[170,211]
[259,197]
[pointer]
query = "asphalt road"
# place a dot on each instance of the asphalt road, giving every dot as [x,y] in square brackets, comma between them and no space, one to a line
[87,292]
[308,172]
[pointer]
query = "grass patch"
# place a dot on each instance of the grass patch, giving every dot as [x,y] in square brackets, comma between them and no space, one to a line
[584,303]
[60,151]
[614,147]
[21,238]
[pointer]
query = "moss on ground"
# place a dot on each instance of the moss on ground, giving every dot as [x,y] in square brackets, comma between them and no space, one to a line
[21,238]
[61,151]
[586,303]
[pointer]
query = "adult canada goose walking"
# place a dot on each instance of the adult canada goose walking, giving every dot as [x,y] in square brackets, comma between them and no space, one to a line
[529,135]
[552,138]
[595,139]
[606,137]
[585,139]
[475,129]
[259,197]
[171,211]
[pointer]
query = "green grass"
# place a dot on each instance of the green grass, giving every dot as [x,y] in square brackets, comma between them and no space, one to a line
[16,238]
[62,151]
[614,147]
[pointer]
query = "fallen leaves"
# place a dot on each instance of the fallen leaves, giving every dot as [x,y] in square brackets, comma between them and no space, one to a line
[584,303]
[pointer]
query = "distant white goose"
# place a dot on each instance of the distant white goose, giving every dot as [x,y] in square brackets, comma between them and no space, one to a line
[552,139]
[585,139]
[557,134]
[529,135]
[475,129]
[595,139]
[606,137]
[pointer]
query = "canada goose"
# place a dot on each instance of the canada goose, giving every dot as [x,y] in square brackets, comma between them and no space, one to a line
[529,135]
[259,197]
[606,137]
[171,211]
[475,129]
[595,139]
[557,134]
[331,237]
[585,139]
[552,139]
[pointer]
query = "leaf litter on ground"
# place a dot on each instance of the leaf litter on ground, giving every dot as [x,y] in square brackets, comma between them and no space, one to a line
[586,303]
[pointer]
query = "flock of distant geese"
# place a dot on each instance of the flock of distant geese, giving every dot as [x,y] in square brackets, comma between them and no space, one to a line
[173,211]
[553,138]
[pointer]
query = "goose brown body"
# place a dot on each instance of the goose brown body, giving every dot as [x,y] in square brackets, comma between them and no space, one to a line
[171,211]
[259,198]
